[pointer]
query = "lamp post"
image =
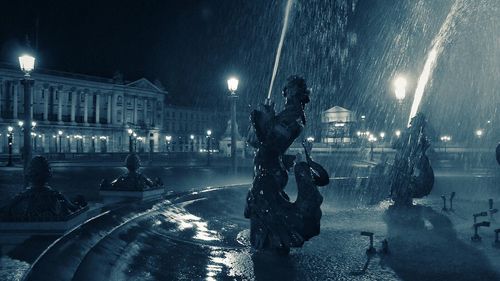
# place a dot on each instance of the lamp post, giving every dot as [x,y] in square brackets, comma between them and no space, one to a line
[9,141]
[168,139]
[372,140]
[27,65]
[192,142]
[445,140]
[209,134]
[382,136]
[232,85]
[400,92]
[130,145]
[134,149]
[60,134]
[479,133]
[93,144]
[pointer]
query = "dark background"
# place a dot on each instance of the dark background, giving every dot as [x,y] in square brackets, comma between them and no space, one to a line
[349,51]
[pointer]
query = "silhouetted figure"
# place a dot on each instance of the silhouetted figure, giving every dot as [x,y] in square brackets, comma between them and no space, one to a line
[276,223]
[132,180]
[39,202]
[412,175]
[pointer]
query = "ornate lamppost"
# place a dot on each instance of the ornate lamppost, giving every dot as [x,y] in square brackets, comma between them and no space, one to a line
[27,65]
[232,85]
[60,134]
[130,141]
[10,129]
[400,92]
[168,139]
[192,142]
[209,134]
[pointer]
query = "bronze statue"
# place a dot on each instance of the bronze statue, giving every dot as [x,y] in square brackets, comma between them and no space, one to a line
[133,180]
[275,222]
[40,202]
[412,175]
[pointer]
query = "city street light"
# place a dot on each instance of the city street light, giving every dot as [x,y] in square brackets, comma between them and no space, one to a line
[130,145]
[60,133]
[372,139]
[168,138]
[398,133]
[232,85]
[9,140]
[209,134]
[479,133]
[27,65]
[382,136]
[134,134]
[400,93]
[445,140]
[400,88]
[192,142]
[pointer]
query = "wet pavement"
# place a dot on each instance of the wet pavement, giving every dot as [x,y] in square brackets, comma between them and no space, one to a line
[203,236]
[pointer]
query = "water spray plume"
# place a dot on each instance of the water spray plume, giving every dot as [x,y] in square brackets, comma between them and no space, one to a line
[280,46]
[432,57]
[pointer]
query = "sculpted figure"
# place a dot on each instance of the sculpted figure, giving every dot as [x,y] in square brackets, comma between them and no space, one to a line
[40,202]
[276,223]
[412,175]
[133,180]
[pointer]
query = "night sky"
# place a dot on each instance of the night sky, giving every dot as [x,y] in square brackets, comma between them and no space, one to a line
[191,46]
[349,51]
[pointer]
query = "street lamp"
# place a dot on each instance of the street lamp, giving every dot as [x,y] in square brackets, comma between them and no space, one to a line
[398,133]
[135,142]
[232,85]
[168,138]
[130,145]
[372,139]
[9,140]
[60,133]
[382,136]
[400,92]
[310,139]
[27,65]
[445,140]
[400,88]
[192,142]
[479,133]
[209,134]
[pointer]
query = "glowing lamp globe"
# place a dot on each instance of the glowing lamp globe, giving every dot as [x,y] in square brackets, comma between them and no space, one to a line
[400,88]
[27,64]
[232,84]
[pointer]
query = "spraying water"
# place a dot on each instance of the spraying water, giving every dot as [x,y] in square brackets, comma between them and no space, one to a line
[280,46]
[437,48]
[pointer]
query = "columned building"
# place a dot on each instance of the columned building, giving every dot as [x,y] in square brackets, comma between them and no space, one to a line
[338,126]
[79,113]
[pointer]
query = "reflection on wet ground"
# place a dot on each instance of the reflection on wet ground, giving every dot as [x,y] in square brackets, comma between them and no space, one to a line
[203,236]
